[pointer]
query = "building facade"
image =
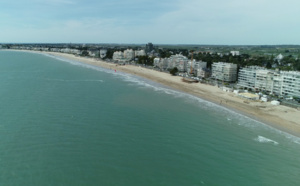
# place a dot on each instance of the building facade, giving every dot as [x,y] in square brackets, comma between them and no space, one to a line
[203,73]
[196,66]
[235,53]
[281,83]
[224,71]
[149,47]
[118,56]
[290,83]
[264,80]
[140,53]
[247,77]
[179,61]
[129,54]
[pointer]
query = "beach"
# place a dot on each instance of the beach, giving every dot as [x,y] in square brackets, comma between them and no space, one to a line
[281,117]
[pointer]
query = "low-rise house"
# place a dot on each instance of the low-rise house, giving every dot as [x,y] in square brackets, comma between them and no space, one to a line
[235,53]
[279,57]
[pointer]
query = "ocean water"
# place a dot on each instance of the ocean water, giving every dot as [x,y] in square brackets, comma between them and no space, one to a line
[68,123]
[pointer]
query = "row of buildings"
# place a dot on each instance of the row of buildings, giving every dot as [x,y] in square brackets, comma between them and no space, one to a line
[127,55]
[281,83]
[220,71]
[183,64]
[91,52]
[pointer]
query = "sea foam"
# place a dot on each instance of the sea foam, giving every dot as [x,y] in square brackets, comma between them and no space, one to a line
[262,139]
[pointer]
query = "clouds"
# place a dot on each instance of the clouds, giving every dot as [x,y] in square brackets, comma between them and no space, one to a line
[233,22]
[140,21]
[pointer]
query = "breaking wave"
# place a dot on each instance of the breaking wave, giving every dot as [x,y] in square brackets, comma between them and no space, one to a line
[66,80]
[262,139]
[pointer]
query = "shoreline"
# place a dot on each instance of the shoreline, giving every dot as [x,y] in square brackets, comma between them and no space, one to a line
[279,117]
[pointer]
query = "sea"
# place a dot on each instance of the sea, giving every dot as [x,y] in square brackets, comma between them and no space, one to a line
[68,123]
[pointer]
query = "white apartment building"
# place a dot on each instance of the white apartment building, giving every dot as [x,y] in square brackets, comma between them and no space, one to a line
[156,62]
[129,54]
[224,71]
[255,77]
[235,53]
[161,63]
[118,56]
[277,84]
[178,61]
[247,77]
[140,53]
[284,83]
[264,79]
[68,50]
[290,83]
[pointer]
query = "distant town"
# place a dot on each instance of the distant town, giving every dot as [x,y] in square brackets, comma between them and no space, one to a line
[271,71]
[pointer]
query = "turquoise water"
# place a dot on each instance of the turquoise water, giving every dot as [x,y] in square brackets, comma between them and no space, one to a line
[67,123]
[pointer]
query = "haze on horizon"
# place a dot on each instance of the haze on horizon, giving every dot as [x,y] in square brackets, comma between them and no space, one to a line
[230,22]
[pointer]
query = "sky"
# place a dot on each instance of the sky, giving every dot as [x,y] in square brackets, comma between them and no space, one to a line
[213,22]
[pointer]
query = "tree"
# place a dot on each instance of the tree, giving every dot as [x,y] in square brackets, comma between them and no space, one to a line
[163,53]
[84,53]
[269,65]
[174,71]
[109,54]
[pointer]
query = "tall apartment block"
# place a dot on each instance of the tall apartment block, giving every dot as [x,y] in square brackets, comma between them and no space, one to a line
[224,71]
[290,83]
[284,83]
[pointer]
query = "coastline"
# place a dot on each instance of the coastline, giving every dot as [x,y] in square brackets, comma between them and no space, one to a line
[280,117]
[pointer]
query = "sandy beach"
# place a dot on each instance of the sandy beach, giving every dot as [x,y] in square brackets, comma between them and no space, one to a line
[281,117]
